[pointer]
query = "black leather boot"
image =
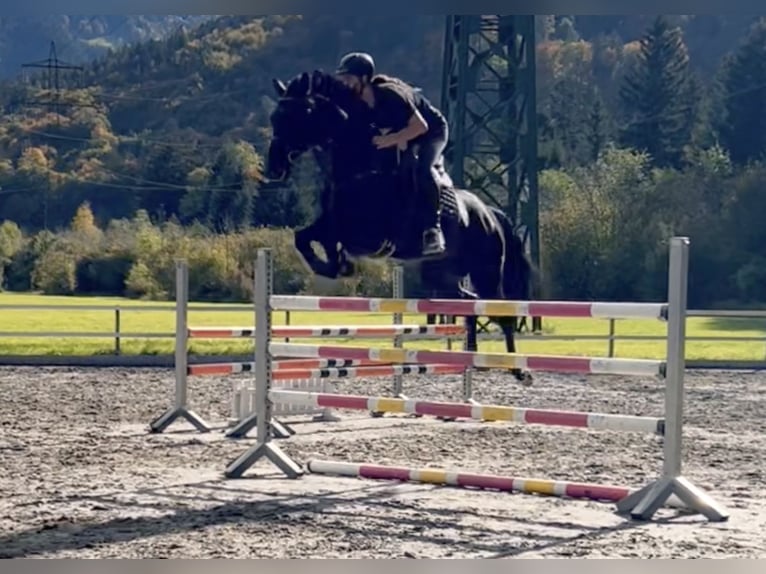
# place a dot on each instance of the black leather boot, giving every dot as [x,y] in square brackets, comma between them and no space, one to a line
[433,238]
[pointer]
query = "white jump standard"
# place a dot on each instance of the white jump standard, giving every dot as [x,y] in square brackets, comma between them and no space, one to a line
[641,504]
[180,408]
[300,374]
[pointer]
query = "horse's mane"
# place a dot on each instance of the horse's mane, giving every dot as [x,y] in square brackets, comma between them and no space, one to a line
[320,83]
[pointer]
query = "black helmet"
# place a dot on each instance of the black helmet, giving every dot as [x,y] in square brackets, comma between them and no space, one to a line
[357,64]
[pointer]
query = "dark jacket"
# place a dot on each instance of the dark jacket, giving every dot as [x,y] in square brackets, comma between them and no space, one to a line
[396,102]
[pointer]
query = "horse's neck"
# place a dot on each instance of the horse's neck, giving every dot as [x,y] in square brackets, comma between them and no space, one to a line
[352,151]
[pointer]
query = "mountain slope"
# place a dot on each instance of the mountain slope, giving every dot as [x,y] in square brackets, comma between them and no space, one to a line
[150,120]
[78,38]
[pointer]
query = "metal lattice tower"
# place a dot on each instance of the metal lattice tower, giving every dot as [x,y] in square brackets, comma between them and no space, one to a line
[52,87]
[52,84]
[488,96]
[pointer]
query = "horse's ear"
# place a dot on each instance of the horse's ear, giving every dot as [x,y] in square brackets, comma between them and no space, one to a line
[279,87]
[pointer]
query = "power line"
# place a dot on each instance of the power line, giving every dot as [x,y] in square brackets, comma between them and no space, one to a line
[122,139]
[53,67]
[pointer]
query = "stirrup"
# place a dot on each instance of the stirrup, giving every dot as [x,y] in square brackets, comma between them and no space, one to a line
[433,241]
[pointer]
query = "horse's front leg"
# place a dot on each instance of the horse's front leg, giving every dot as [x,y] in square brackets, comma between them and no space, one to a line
[303,244]
[346,267]
[338,261]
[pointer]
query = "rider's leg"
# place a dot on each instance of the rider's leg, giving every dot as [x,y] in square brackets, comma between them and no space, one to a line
[430,151]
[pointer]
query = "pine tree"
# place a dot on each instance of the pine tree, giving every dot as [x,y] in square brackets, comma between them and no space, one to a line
[570,102]
[743,131]
[598,127]
[657,98]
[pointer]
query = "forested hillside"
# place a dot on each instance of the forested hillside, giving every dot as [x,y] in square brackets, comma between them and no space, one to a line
[78,38]
[648,126]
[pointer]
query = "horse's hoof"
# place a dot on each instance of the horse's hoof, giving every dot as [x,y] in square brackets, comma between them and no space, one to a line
[525,379]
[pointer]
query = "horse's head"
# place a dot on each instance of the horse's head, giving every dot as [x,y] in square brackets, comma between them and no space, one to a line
[306,117]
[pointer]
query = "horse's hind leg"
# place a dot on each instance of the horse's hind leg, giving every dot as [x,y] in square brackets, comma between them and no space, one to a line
[487,279]
[509,327]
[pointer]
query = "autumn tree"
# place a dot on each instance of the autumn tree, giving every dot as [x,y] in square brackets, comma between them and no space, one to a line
[11,242]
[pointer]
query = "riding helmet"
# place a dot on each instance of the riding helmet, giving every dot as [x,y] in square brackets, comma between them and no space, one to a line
[357,64]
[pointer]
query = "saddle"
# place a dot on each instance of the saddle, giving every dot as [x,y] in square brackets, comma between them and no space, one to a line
[407,194]
[410,183]
[398,203]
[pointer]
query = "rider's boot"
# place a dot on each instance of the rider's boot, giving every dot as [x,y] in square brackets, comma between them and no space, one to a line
[433,238]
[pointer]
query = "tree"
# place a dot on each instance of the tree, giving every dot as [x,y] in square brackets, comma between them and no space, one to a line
[598,132]
[545,28]
[164,174]
[567,104]
[84,226]
[233,179]
[83,220]
[743,130]
[569,117]
[294,204]
[656,96]
[11,242]
[565,29]
[600,229]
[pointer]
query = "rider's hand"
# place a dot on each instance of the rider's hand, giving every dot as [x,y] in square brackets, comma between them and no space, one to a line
[388,140]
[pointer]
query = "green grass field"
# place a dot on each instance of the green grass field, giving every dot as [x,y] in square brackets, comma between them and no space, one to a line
[134,321]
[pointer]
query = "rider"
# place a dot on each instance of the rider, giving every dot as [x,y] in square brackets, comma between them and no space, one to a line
[409,117]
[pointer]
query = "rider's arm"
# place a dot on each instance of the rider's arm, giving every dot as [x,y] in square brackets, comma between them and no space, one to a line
[417,125]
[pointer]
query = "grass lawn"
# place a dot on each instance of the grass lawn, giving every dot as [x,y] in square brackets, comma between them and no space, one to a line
[134,321]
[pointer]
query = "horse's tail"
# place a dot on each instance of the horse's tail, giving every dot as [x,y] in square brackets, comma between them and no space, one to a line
[519,274]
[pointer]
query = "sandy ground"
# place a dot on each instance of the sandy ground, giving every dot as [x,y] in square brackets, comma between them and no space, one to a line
[80,477]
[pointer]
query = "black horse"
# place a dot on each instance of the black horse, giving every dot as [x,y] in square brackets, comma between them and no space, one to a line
[368,210]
